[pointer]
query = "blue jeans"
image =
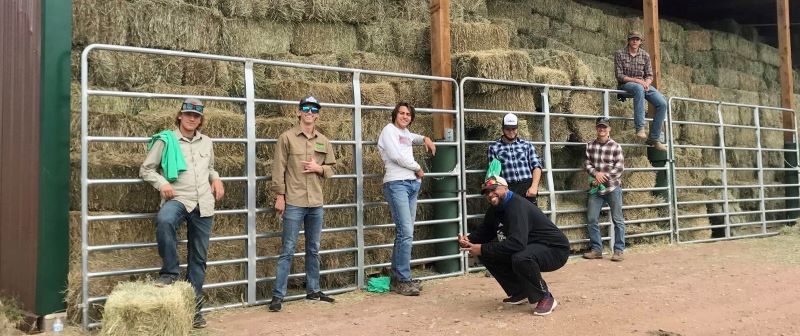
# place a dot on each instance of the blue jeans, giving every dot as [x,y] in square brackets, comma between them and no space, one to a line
[198,231]
[614,200]
[311,220]
[402,198]
[654,97]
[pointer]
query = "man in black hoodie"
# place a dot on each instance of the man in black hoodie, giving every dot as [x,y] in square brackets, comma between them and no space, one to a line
[527,243]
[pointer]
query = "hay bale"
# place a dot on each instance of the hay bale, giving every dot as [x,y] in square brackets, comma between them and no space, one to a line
[672,33]
[495,64]
[518,17]
[552,9]
[545,75]
[100,21]
[172,24]
[584,17]
[253,38]
[359,11]
[137,308]
[723,41]
[381,94]
[746,49]
[468,10]
[679,72]
[275,10]
[383,62]
[708,92]
[672,87]
[279,72]
[580,74]
[568,216]
[510,99]
[200,72]
[602,68]
[319,38]
[415,92]
[417,10]
[769,54]
[476,36]
[124,71]
[728,78]
[693,209]
[394,36]
[698,40]
[617,28]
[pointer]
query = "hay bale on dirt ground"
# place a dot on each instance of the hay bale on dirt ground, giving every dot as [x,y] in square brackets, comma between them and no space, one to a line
[326,37]
[252,38]
[172,24]
[100,21]
[693,209]
[494,64]
[138,308]
[476,36]
[568,214]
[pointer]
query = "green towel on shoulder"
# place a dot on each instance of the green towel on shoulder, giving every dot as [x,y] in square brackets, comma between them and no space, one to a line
[172,162]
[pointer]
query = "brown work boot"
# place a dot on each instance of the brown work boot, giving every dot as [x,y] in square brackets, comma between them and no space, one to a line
[641,134]
[593,255]
[656,144]
[618,256]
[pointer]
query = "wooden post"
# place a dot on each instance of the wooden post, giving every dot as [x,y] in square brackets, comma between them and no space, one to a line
[787,82]
[440,66]
[653,38]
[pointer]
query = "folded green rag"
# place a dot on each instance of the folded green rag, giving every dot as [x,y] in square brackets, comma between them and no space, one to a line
[378,284]
[595,189]
[172,162]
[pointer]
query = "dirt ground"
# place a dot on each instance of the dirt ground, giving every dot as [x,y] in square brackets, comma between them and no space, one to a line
[743,287]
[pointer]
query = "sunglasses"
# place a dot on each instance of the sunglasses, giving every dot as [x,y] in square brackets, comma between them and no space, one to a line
[311,109]
[192,107]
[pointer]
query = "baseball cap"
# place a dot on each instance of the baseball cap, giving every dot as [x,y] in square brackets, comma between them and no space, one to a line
[192,105]
[493,182]
[310,100]
[510,120]
[635,34]
[602,121]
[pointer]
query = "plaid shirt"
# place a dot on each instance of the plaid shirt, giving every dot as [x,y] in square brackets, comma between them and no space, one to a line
[606,158]
[518,159]
[636,66]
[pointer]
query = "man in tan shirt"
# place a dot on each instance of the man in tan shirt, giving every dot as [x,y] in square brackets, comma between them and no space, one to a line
[303,158]
[189,197]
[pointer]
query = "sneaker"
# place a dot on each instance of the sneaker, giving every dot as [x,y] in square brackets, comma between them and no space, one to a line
[164,280]
[406,288]
[199,322]
[546,305]
[617,256]
[593,255]
[275,304]
[656,144]
[417,283]
[515,299]
[641,134]
[320,296]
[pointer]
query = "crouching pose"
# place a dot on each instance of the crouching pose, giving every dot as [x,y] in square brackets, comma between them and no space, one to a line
[527,244]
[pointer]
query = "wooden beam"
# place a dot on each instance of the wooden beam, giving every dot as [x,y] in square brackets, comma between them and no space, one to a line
[653,38]
[787,82]
[440,66]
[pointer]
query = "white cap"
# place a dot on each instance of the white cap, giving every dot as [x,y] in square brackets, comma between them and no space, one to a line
[510,120]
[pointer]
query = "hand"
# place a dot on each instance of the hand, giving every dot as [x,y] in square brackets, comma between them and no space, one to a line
[311,166]
[280,205]
[600,177]
[463,241]
[645,84]
[217,189]
[430,146]
[533,191]
[420,174]
[167,192]
[473,249]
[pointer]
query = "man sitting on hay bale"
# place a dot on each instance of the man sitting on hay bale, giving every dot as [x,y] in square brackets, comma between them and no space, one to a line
[521,167]
[303,158]
[517,242]
[180,165]
[635,76]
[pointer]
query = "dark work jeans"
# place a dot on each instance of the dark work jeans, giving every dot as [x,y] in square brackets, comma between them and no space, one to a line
[521,188]
[198,232]
[521,273]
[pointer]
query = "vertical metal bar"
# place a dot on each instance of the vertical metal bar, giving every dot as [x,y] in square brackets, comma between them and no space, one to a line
[84,189]
[724,164]
[359,160]
[611,227]
[760,166]
[462,180]
[671,197]
[250,129]
[548,161]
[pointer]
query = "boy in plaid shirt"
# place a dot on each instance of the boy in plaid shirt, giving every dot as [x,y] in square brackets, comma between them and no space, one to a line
[521,166]
[605,163]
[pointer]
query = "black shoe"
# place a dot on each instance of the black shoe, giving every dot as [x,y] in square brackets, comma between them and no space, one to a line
[515,299]
[164,280]
[275,304]
[199,322]
[320,296]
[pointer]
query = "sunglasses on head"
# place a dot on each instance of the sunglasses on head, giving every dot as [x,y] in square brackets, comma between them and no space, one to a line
[312,109]
[193,107]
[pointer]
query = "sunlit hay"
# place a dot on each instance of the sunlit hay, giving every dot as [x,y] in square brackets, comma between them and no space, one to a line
[638,179]
[359,11]
[123,70]
[326,37]
[694,209]
[139,308]
[252,38]
[493,64]
[476,36]
[172,24]
[100,21]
